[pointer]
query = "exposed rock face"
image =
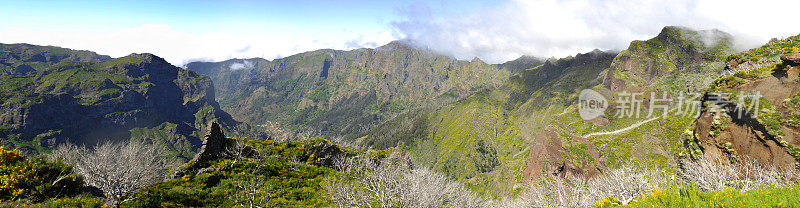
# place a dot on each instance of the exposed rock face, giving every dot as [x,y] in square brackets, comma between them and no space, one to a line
[769,138]
[547,157]
[215,145]
[791,59]
[83,98]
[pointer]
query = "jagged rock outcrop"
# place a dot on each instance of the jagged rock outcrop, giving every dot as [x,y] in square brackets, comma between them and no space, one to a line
[215,145]
[556,156]
[770,137]
[791,59]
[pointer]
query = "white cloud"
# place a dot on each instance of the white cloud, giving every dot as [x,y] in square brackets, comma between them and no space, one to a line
[239,66]
[565,27]
[179,47]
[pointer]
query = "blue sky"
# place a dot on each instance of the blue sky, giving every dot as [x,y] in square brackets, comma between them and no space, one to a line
[496,31]
[300,25]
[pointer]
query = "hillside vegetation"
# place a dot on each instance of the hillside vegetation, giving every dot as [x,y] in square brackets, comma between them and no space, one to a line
[531,122]
[82,98]
[338,93]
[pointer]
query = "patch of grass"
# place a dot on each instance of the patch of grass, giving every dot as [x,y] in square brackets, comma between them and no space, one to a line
[690,196]
[79,201]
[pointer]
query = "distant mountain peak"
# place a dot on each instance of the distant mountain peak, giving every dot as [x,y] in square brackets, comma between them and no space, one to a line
[522,63]
[149,57]
[702,39]
[398,44]
[476,60]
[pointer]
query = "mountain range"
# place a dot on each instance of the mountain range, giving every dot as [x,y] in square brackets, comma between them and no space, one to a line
[493,127]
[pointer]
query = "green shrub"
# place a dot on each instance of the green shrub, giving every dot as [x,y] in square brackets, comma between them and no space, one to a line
[35,178]
[690,196]
[81,201]
[281,175]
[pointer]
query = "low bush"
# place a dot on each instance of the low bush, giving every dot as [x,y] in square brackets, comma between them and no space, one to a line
[34,178]
[280,174]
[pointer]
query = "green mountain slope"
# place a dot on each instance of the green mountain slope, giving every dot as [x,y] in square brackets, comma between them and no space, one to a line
[90,100]
[498,139]
[344,92]
[484,139]
[20,59]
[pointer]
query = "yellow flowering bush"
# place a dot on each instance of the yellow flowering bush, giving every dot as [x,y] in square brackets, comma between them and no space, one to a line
[34,178]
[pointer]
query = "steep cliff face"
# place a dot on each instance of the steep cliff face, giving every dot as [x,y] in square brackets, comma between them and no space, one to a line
[90,101]
[764,89]
[343,92]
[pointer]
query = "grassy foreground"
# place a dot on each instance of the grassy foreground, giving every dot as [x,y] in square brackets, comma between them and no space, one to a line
[690,196]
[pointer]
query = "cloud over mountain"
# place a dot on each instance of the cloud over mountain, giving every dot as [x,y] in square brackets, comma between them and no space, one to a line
[565,27]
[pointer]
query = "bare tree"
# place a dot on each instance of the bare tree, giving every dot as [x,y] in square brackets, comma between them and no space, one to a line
[625,184]
[558,192]
[743,175]
[118,169]
[255,193]
[237,151]
[393,183]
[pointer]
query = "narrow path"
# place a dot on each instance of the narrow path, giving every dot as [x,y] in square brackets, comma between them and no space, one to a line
[620,130]
[520,152]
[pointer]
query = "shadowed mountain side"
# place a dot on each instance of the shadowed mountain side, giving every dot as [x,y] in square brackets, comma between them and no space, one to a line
[87,102]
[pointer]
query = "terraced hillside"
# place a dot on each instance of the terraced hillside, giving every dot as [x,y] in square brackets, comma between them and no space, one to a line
[57,95]
[338,93]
